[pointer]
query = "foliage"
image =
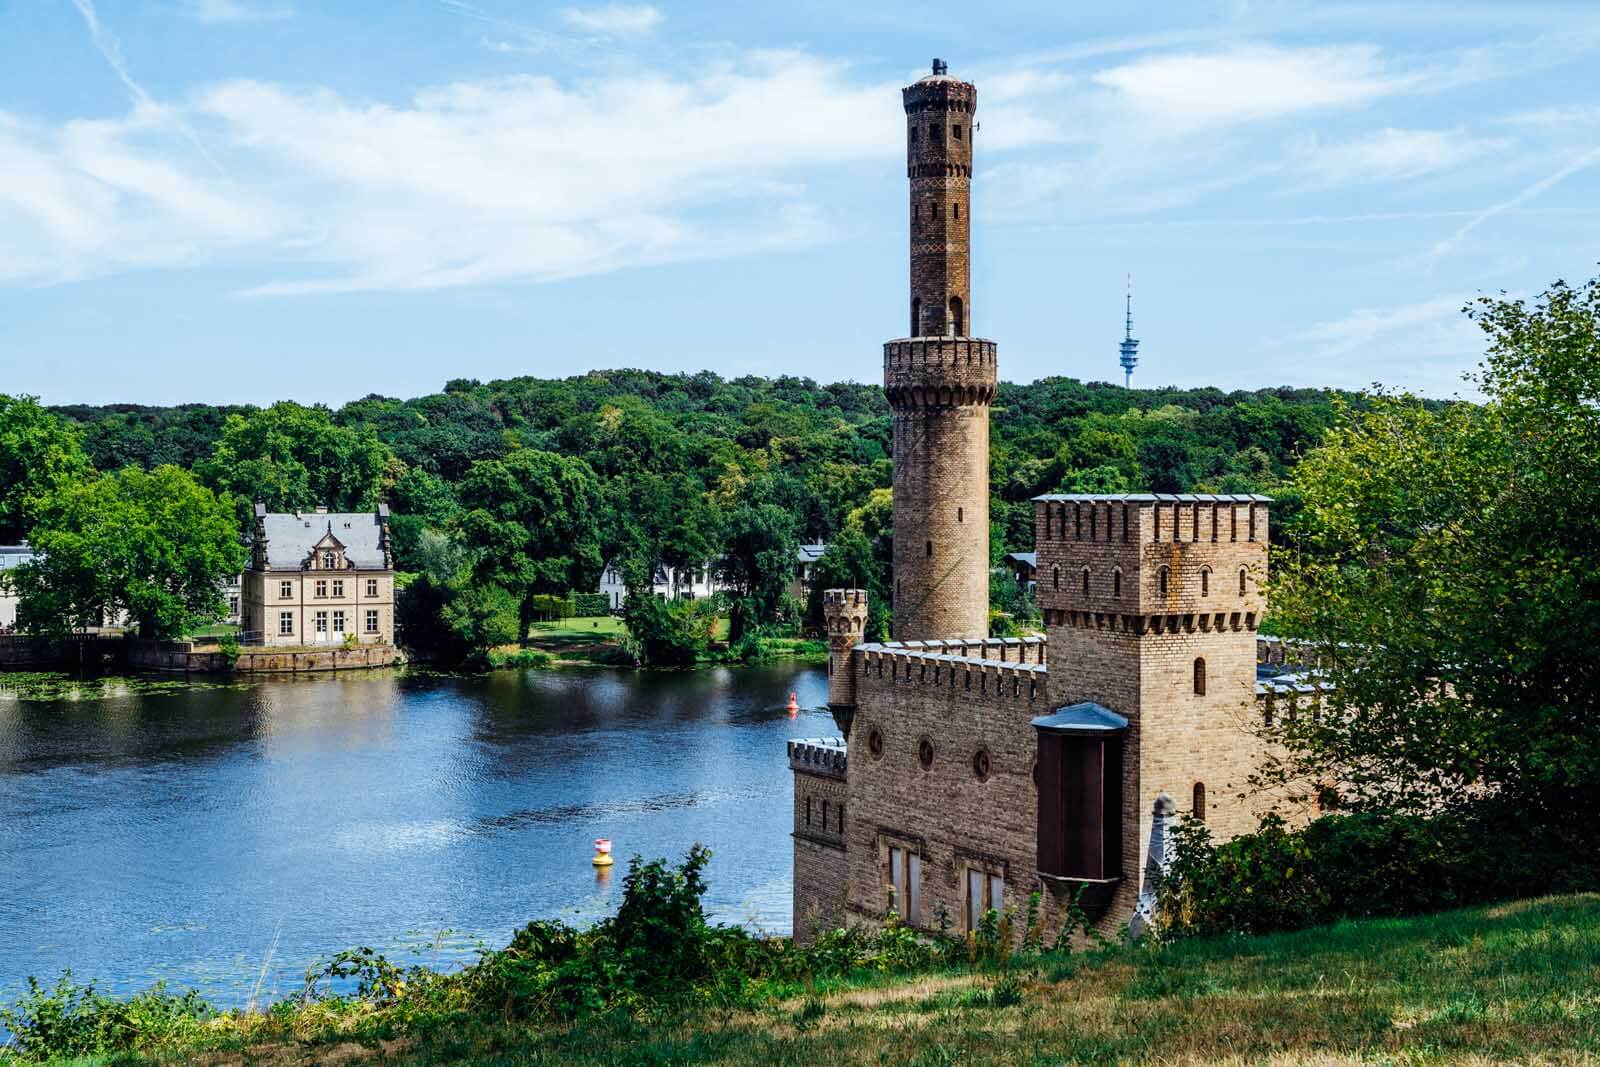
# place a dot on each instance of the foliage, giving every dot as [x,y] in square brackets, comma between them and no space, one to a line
[1369,864]
[588,605]
[38,454]
[1445,568]
[156,544]
[667,633]
[292,457]
[758,562]
[228,647]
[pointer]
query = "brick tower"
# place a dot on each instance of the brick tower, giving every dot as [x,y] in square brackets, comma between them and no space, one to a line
[1151,606]
[940,382]
[844,613]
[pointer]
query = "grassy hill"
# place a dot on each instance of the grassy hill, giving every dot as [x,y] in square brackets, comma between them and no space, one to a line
[1517,982]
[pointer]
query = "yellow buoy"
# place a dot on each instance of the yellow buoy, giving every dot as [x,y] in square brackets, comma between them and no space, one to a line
[602,852]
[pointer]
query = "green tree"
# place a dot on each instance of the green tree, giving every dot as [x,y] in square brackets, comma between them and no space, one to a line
[293,457]
[532,522]
[157,544]
[38,454]
[758,562]
[1446,567]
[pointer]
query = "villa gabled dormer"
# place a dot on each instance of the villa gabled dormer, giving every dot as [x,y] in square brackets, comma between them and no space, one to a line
[328,554]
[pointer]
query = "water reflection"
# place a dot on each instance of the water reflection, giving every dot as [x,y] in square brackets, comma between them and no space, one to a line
[172,833]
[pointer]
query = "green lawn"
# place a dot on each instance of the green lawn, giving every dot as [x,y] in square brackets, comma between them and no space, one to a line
[1514,983]
[215,629]
[577,634]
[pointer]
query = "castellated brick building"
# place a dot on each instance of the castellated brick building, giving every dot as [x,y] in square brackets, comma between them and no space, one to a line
[975,771]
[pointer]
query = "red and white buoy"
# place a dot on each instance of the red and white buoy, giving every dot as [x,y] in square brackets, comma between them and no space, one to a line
[794,705]
[602,852]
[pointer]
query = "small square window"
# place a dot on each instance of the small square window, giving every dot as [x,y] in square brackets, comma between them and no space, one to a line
[372,622]
[286,590]
[372,587]
[286,623]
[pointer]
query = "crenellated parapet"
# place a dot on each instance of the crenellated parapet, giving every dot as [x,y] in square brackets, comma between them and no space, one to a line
[826,756]
[976,679]
[924,372]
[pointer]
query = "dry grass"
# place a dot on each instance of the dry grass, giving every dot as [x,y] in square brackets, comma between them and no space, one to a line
[1517,983]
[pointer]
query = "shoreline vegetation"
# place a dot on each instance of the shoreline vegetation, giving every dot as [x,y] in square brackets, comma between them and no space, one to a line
[656,984]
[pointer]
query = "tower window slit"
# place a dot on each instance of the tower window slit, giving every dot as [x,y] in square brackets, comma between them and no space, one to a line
[1200,677]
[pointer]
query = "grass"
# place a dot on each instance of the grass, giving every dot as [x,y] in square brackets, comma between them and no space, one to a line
[1518,982]
[576,633]
[215,629]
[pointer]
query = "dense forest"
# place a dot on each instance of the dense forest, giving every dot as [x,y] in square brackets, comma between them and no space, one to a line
[511,491]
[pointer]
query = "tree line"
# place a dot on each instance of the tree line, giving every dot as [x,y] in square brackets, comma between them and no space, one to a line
[508,491]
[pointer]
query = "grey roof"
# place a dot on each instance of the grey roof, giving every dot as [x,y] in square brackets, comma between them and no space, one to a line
[809,553]
[292,535]
[1155,498]
[15,555]
[1085,718]
[1030,558]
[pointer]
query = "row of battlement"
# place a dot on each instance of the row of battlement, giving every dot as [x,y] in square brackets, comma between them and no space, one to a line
[1005,649]
[819,755]
[911,352]
[973,676]
[1132,518]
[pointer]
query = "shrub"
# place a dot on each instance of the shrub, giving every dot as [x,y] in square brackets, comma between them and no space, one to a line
[1371,864]
[585,605]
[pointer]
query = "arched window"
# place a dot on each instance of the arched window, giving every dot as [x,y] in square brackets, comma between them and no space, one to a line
[1205,581]
[1116,584]
[916,316]
[958,325]
[1161,580]
[1086,581]
[1243,579]
[1200,677]
[327,561]
[1055,577]
[1200,801]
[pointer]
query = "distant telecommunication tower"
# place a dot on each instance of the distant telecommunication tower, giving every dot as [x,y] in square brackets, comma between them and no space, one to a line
[1130,344]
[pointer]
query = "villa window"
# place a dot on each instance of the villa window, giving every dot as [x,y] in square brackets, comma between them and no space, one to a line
[338,622]
[338,587]
[328,560]
[905,881]
[322,623]
[372,622]
[286,623]
[286,590]
[372,587]
[322,587]
[985,892]
[233,605]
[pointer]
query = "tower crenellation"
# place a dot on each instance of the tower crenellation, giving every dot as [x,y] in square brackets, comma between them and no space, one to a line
[844,614]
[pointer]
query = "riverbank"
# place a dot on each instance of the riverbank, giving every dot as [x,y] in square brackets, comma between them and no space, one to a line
[1496,984]
[598,641]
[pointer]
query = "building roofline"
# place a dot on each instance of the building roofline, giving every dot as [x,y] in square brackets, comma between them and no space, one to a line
[1153,498]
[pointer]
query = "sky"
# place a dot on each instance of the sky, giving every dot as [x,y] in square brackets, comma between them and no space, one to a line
[240,201]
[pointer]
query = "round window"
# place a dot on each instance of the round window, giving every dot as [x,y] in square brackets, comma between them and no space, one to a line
[980,764]
[875,743]
[925,752]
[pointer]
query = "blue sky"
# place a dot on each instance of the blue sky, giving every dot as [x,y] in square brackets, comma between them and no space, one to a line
[247,200]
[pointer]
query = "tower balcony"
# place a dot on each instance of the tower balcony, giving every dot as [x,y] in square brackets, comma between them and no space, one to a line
[939,371]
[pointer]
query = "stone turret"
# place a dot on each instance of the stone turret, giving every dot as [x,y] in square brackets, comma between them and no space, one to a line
[940,382]
[844,613]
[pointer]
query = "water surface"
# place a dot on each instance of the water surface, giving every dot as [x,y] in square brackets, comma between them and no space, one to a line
[204,835]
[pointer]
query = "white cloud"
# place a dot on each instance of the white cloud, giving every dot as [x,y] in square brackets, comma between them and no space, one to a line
[614,20]
[1389,154]
[1571,167]
[223,11]
[521,178]
[1248,83]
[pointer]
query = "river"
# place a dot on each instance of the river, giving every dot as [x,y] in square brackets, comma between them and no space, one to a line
[226,837]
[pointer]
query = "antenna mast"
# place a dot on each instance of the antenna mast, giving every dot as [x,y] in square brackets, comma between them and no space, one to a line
[1130,344]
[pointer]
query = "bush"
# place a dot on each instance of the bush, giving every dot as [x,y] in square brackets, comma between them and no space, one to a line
[587,605]
[667,633]
[1371,864]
